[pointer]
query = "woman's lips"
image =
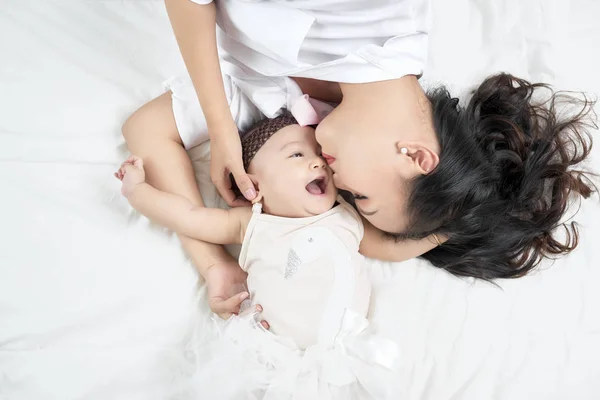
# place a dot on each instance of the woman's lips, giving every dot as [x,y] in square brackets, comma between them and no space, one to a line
[328,159]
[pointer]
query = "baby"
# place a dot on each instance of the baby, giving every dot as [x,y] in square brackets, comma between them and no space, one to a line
[300,240]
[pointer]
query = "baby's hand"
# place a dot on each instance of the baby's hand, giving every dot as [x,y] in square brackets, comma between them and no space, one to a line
[131,174]
[227,291]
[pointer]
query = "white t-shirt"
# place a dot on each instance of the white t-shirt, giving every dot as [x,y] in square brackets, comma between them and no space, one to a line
[352,41]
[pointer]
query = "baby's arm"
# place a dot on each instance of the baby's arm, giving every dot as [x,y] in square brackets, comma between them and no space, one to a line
[375,245]
[177,213]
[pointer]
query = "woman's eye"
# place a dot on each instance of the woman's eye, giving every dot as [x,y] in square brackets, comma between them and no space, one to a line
[359,197]
[296,155]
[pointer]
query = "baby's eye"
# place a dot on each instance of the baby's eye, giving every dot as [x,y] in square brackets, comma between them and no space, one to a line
[359,197]
[296,155]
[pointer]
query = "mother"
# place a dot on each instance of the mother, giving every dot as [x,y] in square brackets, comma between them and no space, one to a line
[494,178]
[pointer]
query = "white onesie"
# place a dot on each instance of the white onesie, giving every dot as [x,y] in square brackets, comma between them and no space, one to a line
[305,272]
[315,291]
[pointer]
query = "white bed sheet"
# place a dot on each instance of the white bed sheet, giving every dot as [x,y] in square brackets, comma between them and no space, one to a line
[96,303]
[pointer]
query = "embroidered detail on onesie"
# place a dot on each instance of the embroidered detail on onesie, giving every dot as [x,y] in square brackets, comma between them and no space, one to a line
[293,262]
[303,244]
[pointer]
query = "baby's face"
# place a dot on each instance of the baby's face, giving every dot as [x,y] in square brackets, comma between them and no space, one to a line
[293,179]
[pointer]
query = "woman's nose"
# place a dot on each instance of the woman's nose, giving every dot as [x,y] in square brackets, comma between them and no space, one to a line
[322,132]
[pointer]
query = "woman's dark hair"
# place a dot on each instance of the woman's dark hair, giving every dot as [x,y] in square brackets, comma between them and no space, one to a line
[505,178]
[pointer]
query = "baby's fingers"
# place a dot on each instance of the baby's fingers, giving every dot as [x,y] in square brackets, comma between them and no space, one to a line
[119,173]
[128,167]
[224,308]
[135,161]
[138,162]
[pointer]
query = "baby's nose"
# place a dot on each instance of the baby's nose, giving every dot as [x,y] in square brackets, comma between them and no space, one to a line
[318,162]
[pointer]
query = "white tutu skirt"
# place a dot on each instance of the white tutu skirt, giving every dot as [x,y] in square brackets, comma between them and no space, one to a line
[243,361]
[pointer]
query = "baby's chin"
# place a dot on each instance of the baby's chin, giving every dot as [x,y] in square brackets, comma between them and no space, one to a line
[319,205]
[301,206]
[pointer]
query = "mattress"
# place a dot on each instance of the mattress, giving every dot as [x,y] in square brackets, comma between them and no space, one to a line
[98,303]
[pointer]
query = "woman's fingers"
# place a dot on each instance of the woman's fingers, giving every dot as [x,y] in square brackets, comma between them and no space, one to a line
[223,185]
[243,181]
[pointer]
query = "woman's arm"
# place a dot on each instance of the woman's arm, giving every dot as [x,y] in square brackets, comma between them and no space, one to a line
[195,30]
[375,245]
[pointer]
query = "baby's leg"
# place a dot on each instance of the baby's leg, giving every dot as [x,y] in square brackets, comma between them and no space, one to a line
[151,133]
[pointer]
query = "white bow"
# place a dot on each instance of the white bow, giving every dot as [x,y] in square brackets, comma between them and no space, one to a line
[358,356]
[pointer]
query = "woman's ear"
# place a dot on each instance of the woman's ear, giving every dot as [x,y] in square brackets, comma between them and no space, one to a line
[423,157]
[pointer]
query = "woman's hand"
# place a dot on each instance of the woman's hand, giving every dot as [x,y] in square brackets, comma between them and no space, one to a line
[226,158]
[131,173]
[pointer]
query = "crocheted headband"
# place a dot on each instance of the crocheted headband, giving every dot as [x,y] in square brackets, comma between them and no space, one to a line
[257,136]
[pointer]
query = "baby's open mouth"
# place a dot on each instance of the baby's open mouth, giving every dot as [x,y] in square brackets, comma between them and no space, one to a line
[317,186]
